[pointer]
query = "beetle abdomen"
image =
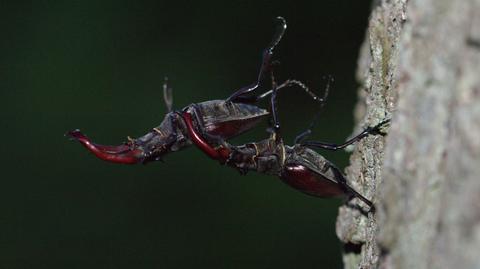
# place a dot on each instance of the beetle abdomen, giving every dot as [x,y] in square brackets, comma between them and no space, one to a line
[228,119]
[310,182]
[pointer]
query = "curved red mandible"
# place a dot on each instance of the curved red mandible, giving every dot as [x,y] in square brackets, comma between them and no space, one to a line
[221,154]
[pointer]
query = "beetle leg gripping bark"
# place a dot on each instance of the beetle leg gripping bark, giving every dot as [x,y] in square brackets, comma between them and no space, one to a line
[375,130]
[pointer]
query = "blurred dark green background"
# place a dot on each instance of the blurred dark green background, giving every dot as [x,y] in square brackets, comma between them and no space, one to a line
[98,66]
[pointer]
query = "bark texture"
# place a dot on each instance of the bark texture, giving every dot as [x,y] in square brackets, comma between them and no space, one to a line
[420,65]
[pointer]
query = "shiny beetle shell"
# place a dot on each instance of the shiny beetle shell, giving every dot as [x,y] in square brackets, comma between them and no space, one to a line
[310,173]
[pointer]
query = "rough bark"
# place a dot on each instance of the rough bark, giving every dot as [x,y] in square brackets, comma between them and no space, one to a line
[420,65]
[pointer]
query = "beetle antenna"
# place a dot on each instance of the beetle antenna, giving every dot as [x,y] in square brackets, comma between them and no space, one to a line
[316,98]
[167,95]
[305,134]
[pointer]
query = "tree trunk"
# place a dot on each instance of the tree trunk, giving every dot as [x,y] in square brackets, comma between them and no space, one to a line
[420,67]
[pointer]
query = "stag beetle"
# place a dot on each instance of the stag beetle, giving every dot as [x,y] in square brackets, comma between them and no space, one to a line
[217,119]
[298,166]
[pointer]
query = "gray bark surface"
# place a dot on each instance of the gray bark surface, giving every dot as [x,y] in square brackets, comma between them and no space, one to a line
[420,66]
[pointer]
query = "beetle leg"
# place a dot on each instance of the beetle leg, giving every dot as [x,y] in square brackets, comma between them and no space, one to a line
[305,134]
[118,154]
[266,57]
[302,136]
[276,122]
[377,129]
[340,178]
